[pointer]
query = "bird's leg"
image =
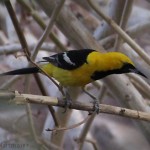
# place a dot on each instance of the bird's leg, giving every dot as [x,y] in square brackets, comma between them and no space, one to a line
[95,103]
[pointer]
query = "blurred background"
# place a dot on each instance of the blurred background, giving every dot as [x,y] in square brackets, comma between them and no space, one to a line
[24,126]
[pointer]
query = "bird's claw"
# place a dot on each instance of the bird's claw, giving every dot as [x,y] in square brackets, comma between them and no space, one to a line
[96,106]
[68,103]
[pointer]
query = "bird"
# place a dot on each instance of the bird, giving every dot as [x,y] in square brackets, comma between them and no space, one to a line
[80,67]
[76,68]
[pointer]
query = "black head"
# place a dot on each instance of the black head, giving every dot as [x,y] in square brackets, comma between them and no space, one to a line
[126,68]
[129,68]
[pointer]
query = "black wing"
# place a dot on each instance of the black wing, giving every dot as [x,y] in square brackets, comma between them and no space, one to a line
[69,60]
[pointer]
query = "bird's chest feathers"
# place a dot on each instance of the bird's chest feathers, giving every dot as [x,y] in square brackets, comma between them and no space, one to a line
[76,77]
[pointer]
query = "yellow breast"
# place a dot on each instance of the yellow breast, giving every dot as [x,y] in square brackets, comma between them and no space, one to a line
[78,77]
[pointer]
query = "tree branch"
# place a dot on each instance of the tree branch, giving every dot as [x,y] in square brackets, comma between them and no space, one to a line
[48,28]
[121,33]
[19,98]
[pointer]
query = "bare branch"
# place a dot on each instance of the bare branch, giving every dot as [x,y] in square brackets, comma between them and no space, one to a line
[133,44]
[77,30]
[13,48]
[10,82]
[48,28]
[70,127]
[93,142]
[115,13]
[18,98]
[39,20]
[124,20]
[85,130]
[17,27]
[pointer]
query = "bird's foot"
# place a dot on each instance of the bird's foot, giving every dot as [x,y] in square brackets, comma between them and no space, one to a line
[96,106]
[68,103]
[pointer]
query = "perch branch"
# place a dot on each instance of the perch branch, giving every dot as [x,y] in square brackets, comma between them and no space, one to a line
[19,98]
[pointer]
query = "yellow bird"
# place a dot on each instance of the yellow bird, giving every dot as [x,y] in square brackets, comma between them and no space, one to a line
[80,67]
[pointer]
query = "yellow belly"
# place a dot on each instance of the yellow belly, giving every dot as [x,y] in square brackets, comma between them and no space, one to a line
[77,77]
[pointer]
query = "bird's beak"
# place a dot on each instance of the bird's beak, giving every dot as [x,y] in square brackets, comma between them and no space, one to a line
[138,72]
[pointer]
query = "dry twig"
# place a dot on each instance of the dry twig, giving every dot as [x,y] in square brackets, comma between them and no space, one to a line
[48,28]
[133,44]
[37,99]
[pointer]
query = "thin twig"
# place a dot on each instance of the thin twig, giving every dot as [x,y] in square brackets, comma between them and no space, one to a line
[48,28]
[10,82]
[89,94]
[93,142]
[45,73]
[125,36]
[29,111]
[43,91]
[143,84]
[70,127]
[39,20]
[17,27]
[124,20]
[88,124]
[15,47]
[115,12]
[75,32]
[85,130]
[133,31]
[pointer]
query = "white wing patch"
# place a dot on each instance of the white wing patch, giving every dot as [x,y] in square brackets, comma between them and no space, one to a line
[67,59]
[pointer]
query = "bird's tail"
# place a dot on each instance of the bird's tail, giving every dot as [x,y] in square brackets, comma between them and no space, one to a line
[21,71]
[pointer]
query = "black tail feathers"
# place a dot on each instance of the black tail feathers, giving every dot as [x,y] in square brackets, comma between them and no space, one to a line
[21,71]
